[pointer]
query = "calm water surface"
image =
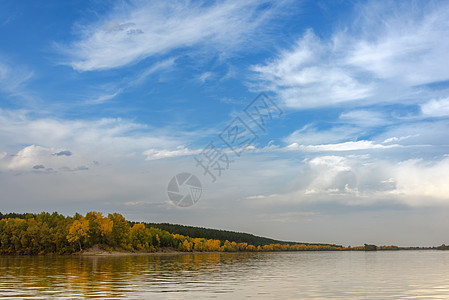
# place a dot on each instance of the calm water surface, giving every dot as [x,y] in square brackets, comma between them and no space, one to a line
[286,275]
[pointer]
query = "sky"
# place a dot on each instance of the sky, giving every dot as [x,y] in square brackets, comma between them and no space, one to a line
[313,121]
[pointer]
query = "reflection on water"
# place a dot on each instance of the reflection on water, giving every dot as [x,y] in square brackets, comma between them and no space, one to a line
[287,275]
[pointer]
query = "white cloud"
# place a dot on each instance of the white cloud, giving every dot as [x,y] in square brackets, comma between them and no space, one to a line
[154,154]
[363,180]
[34,157]
[306,77]
[331,174]
[104,98]
[259,197]
[134,32]
[436,108]
[29,157]
[105,138]
[420,182]
[311,135]
[205,77]
[346,146]
[336,162]
[398,139]
[404,44]
[105,167]
[374,61]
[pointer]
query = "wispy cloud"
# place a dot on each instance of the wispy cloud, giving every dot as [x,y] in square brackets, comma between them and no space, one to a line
[346,146]
[310,134]
[365,118]
[205,77]
[130,82]
[104,98]
[375,61]
[13,78]
[309,76]
[139,30]
[160,66]
[405,44]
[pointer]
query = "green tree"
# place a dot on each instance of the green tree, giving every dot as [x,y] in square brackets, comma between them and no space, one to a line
[120,230]
[140,237]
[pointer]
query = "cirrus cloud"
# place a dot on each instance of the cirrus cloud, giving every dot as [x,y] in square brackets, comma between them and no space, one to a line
[131,33]
[389,60]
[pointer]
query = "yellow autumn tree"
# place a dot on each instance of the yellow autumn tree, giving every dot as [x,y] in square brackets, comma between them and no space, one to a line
[106,226]
[100,228]
[78,231]
[251,248]
[212,245]
[140,236]
[199,244]
[186,246]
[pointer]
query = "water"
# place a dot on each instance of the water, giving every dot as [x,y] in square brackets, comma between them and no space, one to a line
[281,275]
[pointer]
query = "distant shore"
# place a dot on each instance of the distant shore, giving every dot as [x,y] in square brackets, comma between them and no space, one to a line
[101,250]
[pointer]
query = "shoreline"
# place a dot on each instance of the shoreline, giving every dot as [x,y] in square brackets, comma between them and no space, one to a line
[100,252]
[115,253]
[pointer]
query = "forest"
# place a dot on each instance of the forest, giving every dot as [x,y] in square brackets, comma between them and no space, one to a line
[54,233]
[217,234]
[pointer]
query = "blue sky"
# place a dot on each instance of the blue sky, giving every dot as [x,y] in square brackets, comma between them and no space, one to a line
[101,104]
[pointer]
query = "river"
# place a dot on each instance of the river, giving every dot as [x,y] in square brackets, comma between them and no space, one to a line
[279,275]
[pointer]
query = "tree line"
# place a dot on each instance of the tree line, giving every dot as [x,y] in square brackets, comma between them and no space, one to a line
[222,235]
[47,233]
